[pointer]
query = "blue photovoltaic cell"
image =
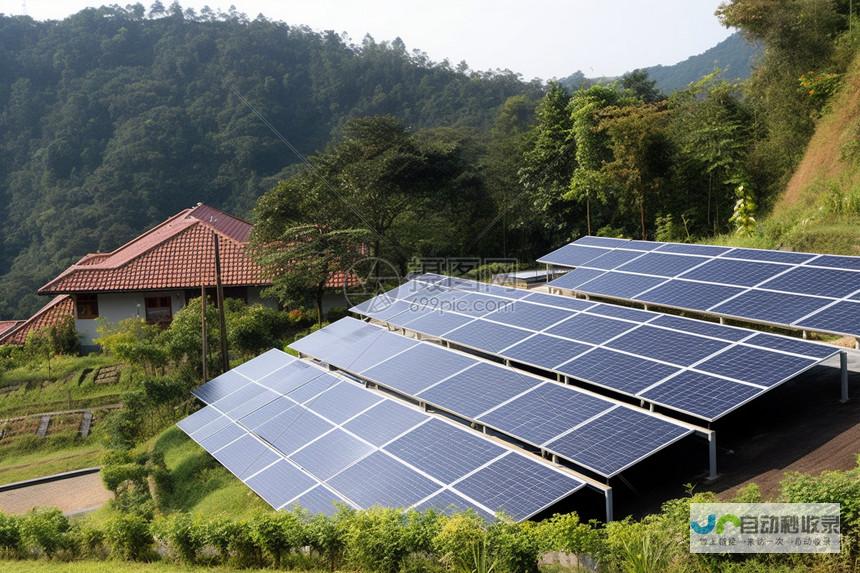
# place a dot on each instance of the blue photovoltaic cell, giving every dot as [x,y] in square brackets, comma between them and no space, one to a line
[732,272]
[701,327]
[437,323]
[219,387]
[319,500]
[572,255]
[517,486]
[771,306]
[418,368]
[486,335]
[701,395]
[574,279]
[755,365]
[616,440]
[443,451]
[264,364]
[841,317]
[836,262]
[822,282]
[198,419]
[615,370]
[241,397]
[280,483]
[245,457]
[448,502]
[772,256]
[312,388]
[641,245]
[612,259]
[383,307]
[619,284]
[291,377]
[478,389]
[692,295]
[544,413]
[545,351]
[525,315]
[588,328]
[384,422]
[292,429]
[251,405]
[342,402]
[352,344]
[265,413]
[609,242]
[664,265]
[330,454]
[559,301]
[502,291]
[479,304]
[666,345]
[208,429]
[683,248]
[810,349]
[221,438]
[379,479]
[615,311]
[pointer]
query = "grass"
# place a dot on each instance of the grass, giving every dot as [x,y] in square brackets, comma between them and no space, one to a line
[107,567]
[58,454]
[201,485]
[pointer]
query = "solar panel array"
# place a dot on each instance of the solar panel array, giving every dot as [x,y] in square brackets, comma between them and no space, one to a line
[699,368]
[797,290]
[581,427]
[301,436]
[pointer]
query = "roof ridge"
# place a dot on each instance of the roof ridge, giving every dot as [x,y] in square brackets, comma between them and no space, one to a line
[51,304]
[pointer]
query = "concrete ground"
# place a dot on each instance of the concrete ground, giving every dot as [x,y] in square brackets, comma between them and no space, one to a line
[72,496]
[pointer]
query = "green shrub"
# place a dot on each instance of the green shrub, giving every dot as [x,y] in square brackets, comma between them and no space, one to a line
[327,536]
[234,542]
[89,541]
[43,531]
[566,533]
[278,534]
[10,534]
[458,538]
[182,536]
[128,537]
[842,487]
[516,546]
[376,540]
[115,476]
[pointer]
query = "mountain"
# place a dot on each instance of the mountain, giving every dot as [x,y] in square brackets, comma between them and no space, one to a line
[735,56]
[113,119]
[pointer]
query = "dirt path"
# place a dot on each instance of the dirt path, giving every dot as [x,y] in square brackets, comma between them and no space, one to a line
[71,496]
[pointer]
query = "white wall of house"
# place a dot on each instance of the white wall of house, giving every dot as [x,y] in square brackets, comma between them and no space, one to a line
[114,307]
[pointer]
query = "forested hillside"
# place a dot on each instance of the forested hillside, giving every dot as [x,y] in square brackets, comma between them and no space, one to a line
[113,119]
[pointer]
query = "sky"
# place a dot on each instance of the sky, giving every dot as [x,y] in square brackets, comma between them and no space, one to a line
[537,38]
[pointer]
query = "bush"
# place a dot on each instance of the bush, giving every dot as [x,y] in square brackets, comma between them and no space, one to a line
[43,531]
[182,536]
[376,541]
[457,538]
[10,534]
[278,534]
[515,545]
[326,536]
[842,487]
[89,541]
[128,537]
[234,542]
[566,533]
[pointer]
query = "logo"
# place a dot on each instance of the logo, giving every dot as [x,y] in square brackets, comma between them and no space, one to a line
[712,524]
[371,277]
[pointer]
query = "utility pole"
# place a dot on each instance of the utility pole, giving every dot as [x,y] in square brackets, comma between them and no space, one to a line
[204,334]
[219,295]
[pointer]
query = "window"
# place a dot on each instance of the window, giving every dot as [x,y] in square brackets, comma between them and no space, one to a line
[159,310]
[87,305]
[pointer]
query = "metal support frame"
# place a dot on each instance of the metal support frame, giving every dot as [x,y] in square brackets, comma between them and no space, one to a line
[608,494]
[843,365]
[712,455]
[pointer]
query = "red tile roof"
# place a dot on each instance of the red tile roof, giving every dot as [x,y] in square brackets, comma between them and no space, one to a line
[8,324]
[178,253]
[49,315]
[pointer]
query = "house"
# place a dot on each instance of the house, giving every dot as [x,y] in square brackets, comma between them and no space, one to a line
[154,275]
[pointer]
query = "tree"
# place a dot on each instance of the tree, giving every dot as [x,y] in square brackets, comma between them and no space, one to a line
[640,151]
[641,86]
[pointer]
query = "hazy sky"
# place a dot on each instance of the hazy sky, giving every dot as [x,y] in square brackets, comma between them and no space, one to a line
[538,38]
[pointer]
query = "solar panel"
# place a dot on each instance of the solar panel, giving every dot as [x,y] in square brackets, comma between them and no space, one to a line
[616,440]
[448,502]
[280,483]
[477,389]
[574,255]
[770,306]
[380,479]
[811,350]
[264,364]
[319,500]
[443,451]
[617,371]
[487,335]
[250,404]
[701,395]
[265,413]
[592,329]
[384,422]
[342,402]
[559,302]
[245,457]
[700,327]
[208,429]
[291,377]
[330,454]
[418,368]
[755,365]
[198,419]
[517,487]
[545,351]
[544,413]
[842,317]
[437,323]
[525,315]
[777,287]
[312,388]
[220,387]
[623,312]
[221,438]
[292,429]
[667,345]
